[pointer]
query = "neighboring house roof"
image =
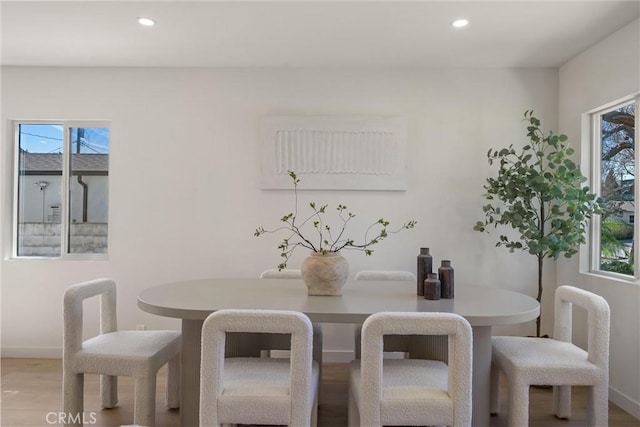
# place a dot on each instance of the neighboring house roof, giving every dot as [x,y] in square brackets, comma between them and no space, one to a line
[51,163]
[627,207]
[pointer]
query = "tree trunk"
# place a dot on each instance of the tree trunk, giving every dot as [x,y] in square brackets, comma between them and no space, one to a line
[540,256]
[539,298]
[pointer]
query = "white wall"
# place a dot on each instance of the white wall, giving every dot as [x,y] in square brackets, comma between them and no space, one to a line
[34,198]
[184,177]
[606,72]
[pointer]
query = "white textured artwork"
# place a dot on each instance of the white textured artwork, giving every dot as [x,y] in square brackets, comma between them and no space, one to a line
[334,152]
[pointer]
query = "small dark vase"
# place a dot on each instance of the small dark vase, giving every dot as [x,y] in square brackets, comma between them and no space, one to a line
[425,265]
[432,287]
[445,274]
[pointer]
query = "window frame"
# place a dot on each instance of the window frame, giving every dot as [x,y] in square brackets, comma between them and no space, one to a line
[65,189]
[593,127]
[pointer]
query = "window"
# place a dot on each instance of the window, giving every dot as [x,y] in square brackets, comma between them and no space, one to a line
[615,235]
[61,188]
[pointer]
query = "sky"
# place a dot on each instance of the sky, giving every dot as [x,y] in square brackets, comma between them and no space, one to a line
[48,138]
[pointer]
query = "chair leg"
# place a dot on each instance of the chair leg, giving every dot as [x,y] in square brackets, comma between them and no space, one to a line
[108,391]
[518,403]
[73,398]
[598,405]
[494,393]
[144,409]
[562,401]
[173,383]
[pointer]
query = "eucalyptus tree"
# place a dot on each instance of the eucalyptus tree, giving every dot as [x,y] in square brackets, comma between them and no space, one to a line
[539,192]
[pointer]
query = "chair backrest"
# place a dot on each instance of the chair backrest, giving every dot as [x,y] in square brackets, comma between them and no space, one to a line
[460,340]
[385,275]
[287,273]
[74,296]
[598,316]
[219,323]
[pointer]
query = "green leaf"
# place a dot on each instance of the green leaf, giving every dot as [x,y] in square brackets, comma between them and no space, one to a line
[479,226]
[527,181]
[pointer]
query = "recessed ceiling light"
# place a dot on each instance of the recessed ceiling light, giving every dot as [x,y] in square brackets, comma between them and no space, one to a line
[459,23]
[146,22]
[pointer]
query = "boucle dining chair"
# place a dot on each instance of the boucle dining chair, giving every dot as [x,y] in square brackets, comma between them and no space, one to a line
[415,347]
[287,273]
[557,362]
[113,353]
[282,342]
[254,390]
[385,275]
[411,391]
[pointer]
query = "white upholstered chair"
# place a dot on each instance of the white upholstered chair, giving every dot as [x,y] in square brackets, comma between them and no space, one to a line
[280,342]
[414,347]
[254,390]
[113,353]
[287,273]
[412,391]
[558,362]
[385,275]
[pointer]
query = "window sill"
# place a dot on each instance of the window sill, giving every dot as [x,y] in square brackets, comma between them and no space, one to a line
[68,257]
[619,278]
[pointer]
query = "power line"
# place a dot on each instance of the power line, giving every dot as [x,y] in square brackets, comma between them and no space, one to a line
[41,136]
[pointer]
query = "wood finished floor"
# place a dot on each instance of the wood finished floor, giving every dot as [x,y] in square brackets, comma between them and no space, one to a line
[32,391]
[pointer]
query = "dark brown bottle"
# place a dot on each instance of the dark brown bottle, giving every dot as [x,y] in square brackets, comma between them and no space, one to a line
[425,265]
[445,274]
[432,287]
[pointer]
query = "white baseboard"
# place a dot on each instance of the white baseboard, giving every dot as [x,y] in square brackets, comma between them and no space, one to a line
[32,352]
[624,402]
[337,356]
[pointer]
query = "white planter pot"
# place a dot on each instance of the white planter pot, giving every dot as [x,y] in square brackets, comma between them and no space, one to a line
[325,274]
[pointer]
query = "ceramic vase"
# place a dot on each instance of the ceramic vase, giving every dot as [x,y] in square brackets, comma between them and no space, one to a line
[325,274]
[445,274]
[432,287]
[425,262]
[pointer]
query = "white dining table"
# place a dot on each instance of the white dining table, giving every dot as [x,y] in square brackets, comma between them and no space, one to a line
[193,300]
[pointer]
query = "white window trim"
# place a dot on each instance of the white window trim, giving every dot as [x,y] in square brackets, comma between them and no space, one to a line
[591,127]
[64,255]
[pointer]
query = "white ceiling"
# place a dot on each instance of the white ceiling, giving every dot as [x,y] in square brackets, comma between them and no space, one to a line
[306,33]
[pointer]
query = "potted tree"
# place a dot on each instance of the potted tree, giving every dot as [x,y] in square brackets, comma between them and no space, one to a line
[538,192]
[325,270]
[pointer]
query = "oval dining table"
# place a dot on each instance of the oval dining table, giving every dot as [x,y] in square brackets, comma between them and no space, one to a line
[193,300]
